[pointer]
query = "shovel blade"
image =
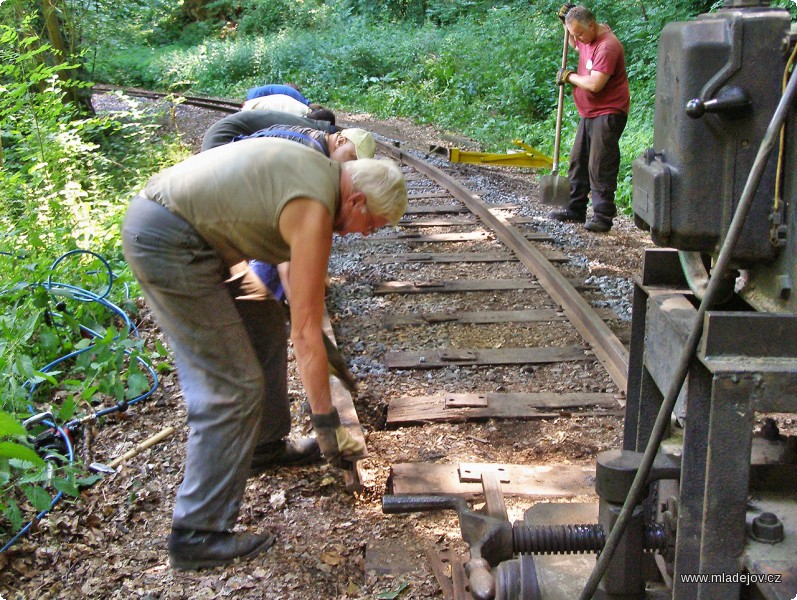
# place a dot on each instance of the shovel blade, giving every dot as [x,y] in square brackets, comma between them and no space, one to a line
[555,190]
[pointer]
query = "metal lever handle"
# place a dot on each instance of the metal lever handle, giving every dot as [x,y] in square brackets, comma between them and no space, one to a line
[732,102]
[46,417]
[396,504]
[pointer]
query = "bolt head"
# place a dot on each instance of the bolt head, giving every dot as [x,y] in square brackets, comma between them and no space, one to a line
[767,528]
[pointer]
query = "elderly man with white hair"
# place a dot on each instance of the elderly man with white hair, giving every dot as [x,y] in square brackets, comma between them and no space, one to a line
[271,200]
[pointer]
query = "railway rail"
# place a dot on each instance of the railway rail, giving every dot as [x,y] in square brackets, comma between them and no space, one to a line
[606,346]
[472,316]
[492,273]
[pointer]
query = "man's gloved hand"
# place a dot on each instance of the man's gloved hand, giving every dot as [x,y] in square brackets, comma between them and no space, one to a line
[562,75]
[244,284]
[337,445]
[563,10]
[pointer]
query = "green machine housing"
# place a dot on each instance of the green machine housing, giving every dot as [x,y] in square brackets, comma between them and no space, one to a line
[718,83]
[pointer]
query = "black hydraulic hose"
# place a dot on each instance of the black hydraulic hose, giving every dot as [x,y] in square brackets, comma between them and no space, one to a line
[689,349]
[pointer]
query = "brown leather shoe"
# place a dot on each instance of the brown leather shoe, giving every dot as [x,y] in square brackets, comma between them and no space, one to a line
[190,550]
[284,453]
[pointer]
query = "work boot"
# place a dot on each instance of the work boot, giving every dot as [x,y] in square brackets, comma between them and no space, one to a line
[190,550]
[596,225]
[284,453]
[567,216]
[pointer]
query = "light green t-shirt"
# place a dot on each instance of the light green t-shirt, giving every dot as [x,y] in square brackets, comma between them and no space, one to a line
[233,195]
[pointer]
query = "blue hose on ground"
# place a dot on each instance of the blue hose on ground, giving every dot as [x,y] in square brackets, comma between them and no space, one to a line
[22,532]
[82,295]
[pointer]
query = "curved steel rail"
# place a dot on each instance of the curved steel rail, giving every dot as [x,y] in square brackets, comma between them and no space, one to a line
[606,346]
[228,106]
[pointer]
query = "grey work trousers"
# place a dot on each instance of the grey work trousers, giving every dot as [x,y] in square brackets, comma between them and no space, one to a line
[594,165]
[231,360]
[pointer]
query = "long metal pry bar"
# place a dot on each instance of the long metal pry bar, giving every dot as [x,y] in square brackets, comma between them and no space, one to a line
[342,400]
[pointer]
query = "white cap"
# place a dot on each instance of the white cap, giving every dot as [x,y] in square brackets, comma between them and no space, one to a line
[363,141]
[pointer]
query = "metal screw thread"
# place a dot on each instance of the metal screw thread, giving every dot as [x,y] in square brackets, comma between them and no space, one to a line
[558,539]
[655,537]
[570,539]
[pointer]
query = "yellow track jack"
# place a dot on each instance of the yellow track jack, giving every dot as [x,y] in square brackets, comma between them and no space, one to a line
[529,157]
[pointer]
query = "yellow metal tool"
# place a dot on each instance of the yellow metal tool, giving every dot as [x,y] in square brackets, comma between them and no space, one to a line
[530,157]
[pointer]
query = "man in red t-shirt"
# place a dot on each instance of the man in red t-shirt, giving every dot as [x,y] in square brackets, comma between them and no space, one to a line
[600,91]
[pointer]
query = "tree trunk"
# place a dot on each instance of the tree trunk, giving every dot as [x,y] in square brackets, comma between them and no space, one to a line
[54,35]
[78,96]
[195,10]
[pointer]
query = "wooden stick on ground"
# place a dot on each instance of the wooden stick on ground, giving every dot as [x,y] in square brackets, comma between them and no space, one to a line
[149,442]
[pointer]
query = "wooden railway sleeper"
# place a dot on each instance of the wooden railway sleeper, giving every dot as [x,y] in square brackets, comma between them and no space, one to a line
[440,318]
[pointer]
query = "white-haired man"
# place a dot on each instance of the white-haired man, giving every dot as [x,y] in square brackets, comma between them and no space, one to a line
[267,199]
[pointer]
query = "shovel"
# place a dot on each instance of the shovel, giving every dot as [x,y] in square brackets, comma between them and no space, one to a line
[555,189]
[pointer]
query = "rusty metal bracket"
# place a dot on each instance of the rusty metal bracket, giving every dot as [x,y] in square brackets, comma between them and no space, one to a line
[466,401]
[472,472]
[458,356]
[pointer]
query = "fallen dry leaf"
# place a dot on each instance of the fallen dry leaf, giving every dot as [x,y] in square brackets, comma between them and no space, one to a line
[332,558]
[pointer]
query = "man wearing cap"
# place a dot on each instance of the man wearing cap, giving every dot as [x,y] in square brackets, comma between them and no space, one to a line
[348,144]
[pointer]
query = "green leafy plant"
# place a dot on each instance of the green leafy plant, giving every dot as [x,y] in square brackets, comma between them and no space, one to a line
[67,180]
[17,459]
[484,69]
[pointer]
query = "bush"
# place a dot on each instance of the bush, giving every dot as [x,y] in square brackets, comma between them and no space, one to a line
[66,184]
[262,18]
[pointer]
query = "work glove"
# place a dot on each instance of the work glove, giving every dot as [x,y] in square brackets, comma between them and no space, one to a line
[338,366]
[244,284]
[335,441]
[563,10]
[562,75]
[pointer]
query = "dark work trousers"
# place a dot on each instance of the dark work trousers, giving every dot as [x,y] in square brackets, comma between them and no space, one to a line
[594,165]
[231,359]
